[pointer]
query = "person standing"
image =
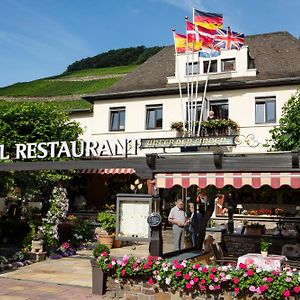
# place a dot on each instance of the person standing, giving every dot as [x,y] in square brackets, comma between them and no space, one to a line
[194,224]
[177,218]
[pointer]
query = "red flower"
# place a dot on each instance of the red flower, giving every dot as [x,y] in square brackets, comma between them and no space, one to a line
[204,270]
[188,286]
[297,289]
[203,281]
[269,279]
[214,269]
[235,280]
[186,276]
[150,281]
[236,290]
[286,293]
[211,276]
[242,266]
[196,279]
[196,266]
[177,274]
[123,272]
[250,272]
[110,266]
[104,253]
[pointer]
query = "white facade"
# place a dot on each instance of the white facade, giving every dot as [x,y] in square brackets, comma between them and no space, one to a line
[243,107]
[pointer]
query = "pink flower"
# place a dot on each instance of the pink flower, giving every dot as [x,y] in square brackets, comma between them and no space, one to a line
[104,253]
[186,276]
[123,272]
[269,279]
[211,287]
[202,288]
[214,269]
[297,289]
[196,279]
[150,281]
[203,281]
[250,272]
[236,290]
[196,266]
[188,286]
[110,266]
[288,279]
[252,288]
[262,288]
[286,293]
[204,270]
[217,287]
[177,274]
[235,280]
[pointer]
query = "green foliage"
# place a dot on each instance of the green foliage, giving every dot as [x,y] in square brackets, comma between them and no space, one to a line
[34,122]
[107,219]
[47,88]
[99,248]
[265,245]
[286,136]
[112,58]
[97,72]
[29,237]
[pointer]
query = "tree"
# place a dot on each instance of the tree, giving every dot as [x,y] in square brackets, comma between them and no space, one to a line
[286,136]
[34,122]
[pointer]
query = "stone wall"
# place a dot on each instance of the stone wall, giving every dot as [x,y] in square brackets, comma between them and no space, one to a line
[138,290]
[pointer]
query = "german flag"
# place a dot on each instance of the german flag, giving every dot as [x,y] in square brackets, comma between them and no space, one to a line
[208,20]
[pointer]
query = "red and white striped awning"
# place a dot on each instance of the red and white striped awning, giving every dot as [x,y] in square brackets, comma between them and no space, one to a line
[109,171]
[237,180]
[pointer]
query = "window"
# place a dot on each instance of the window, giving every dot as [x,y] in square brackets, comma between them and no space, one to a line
[191,106]
[117,119]
[213,66]
[192,68]
[220,109]
[265,110]
[227,65]
[153,116]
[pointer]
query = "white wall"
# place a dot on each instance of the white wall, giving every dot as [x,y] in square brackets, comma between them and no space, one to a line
[241,109]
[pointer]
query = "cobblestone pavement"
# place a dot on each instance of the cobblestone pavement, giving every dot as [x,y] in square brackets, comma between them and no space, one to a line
[12,289]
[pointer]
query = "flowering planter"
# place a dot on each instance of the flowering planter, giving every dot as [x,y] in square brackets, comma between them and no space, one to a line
[99,279]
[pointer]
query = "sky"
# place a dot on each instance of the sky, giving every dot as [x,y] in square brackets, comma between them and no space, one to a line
[40,38]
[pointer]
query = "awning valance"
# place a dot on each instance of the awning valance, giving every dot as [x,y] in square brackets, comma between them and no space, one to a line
[109,171]
[236,179]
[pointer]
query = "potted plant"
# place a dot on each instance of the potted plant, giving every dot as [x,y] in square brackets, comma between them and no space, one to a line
[99,277]
[106,232]
[264,247]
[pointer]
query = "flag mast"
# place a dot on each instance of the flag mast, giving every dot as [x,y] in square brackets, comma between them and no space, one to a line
[179,83]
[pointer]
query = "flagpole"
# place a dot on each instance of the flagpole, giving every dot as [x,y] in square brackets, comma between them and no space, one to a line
[188,83]
[204,94]
[196,93]
[179,84]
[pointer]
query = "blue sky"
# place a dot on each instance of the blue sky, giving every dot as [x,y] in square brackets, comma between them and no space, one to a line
[40,38]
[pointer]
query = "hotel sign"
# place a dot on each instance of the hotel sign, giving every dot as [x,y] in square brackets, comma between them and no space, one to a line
[183,142]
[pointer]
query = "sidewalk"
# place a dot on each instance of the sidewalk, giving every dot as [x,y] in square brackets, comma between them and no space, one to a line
[12,289]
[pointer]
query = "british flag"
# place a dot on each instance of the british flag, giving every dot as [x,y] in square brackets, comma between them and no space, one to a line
[227,39]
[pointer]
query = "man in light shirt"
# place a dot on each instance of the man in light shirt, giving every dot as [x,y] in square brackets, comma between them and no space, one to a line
[177,218]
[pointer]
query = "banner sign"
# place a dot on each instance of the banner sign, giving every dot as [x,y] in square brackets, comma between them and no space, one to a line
[182,142]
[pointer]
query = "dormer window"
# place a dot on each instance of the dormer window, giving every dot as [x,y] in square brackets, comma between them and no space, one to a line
[213,66]
[228,65]
[192,68]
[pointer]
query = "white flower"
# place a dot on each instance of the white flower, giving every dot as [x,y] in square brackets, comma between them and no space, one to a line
[168,280]
[158,277]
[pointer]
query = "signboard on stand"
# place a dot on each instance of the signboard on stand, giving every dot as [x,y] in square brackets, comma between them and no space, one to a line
[132,213]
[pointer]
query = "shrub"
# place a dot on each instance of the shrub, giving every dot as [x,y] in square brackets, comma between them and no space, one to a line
[99,248]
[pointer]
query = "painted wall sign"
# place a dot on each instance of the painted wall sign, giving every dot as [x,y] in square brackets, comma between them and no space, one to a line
[72,149]
[188,142]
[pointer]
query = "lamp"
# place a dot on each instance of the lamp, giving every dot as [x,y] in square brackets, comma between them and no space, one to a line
[239,207]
